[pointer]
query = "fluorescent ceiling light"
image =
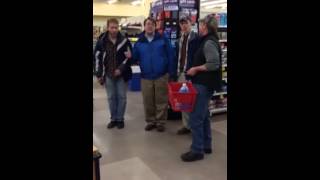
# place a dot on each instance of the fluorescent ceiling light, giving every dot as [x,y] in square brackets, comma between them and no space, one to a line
[215,6]
[214,2]
[112,1]
[135,3]
[222,6]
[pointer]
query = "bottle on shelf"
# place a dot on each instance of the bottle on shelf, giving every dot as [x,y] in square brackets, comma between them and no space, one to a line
[184,88]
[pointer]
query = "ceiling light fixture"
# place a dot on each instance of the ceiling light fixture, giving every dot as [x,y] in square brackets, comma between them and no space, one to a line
[213,2]
[222,6]
[112,1]
[135,3]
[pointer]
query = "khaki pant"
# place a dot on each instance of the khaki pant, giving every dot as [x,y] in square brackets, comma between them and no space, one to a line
[155,99]
[185,115]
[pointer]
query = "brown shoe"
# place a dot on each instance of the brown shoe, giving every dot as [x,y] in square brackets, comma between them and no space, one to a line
[149,127]
[183,131]
[160,128]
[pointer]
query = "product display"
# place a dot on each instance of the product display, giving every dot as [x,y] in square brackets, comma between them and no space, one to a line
[169,12]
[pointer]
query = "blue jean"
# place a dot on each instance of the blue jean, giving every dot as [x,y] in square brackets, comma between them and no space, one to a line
[117,98]
[200,122]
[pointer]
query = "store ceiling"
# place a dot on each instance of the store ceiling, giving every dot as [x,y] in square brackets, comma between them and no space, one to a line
[202,9]
[119,1]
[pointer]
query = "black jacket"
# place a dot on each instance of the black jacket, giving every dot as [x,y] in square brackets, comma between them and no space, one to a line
[122,44]
[193,43]
[211,79]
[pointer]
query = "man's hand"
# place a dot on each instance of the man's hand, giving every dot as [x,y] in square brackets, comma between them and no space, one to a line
[117,72]
[192,71]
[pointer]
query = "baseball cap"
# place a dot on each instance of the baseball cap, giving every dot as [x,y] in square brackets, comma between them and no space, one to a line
[185,19]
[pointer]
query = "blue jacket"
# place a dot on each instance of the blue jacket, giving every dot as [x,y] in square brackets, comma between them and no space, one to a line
[156,58]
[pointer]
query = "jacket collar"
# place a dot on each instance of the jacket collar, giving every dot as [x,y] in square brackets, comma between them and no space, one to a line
[121,40]
[120,37]
[142,37]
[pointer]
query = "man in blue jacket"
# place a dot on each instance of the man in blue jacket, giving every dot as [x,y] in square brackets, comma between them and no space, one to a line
[113,70]
[156,57]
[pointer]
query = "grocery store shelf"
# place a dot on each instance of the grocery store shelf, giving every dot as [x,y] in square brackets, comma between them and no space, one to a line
[224,109]
[218,110]
[131,27]
[223,29]
[224,50]
[220,93]
[223,40]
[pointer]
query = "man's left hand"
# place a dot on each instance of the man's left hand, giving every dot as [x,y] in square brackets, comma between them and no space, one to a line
[192,71]
[117,72]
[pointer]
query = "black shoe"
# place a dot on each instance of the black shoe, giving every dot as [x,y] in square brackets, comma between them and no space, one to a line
[183,131]
[120,125]
[112,124]
[149,127]
[208,151]
[160,128]
[191,156]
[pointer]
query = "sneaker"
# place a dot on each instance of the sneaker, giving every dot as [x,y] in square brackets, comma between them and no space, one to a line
[208,151]
[183,131]
[149,127]
[120,125]
[191,156]
[112,124]
[160,128]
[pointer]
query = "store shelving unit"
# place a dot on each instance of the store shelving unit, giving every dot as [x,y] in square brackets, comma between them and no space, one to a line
[220,94]
[218,110]
[218,103]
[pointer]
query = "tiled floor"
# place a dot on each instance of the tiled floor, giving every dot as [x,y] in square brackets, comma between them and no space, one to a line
[134,154]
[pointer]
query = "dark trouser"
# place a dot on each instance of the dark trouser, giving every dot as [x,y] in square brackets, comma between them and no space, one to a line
[199,121]
[117,98]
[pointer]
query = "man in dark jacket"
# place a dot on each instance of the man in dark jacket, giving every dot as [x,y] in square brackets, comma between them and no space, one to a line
[96,53]
[113,70]
[156,58]
[184,55]
[206,75]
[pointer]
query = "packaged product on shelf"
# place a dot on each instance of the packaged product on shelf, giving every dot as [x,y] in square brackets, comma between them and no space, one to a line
[212,104]
[167,32]
[224,35]
[174,33]
[193,14]
[174,14]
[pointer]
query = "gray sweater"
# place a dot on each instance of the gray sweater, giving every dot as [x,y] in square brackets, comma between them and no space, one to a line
[211,52]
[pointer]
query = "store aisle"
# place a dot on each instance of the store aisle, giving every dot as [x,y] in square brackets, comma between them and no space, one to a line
[133,153]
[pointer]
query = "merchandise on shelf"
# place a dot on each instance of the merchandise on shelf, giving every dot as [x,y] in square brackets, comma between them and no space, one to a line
[222,19]
[167,14]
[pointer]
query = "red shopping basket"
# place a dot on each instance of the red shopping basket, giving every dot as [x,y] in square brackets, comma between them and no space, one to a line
[181,101]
